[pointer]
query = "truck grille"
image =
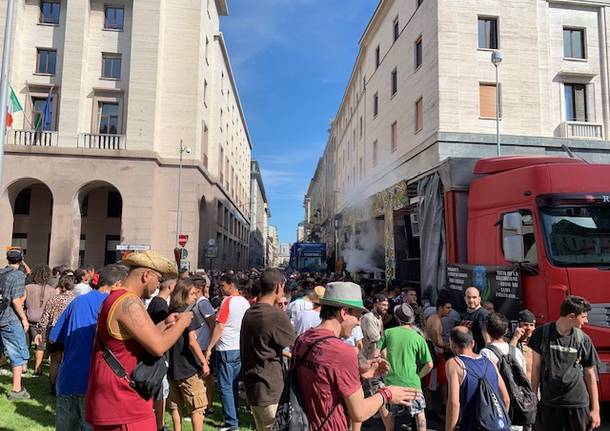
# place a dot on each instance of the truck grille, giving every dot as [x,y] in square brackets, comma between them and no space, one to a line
[600,315]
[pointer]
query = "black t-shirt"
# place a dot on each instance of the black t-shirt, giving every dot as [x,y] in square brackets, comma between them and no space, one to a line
[561,374]
[476,321]
[265,332]
[158,309]
[182,361]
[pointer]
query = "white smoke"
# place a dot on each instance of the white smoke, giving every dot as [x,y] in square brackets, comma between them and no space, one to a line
[365,250]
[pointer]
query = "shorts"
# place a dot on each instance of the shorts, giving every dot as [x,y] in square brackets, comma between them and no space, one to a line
[32,332]
[164,391]
[416,407]
[147,424]
[13,338]
[188,394]
[562,418]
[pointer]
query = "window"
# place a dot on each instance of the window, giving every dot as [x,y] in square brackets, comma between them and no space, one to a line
[111,254]
[22,202]
[576,102]
[375,104]
[487,101]
[20,240]
[205,92]
[46,61]
[111,66]
[49,11]
[488,33]
[377,57]
[115,205]
[375,153]
[81,250]
[394,81]
[114,18]
[109,118]
[573,43]
[419,114]
[396,29]
[418,53]
[394,136]
[39,107]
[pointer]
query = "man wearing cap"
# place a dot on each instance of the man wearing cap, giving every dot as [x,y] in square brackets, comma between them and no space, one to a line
[372,326]
[265,332]
[328,369]
[521,338]
[308,319]
[125,328]
[407,352]
[13,320]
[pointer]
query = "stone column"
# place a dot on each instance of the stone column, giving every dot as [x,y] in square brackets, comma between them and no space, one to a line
[65,230]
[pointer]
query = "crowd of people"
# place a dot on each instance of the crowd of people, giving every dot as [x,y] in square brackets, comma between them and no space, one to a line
[137,338]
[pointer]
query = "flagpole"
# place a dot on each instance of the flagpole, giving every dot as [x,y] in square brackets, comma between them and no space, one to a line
[4,81]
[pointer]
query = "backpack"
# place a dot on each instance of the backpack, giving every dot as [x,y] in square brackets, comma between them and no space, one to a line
[4,301]
[489,410]
[523,401]
[290,415]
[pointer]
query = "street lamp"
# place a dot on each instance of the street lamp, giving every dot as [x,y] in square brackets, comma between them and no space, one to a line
[496,59]
[183,150]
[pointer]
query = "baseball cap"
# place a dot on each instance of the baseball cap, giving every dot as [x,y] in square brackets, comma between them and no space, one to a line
[526,316]
[14,253]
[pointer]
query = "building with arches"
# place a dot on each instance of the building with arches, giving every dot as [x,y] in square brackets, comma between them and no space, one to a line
[108,92]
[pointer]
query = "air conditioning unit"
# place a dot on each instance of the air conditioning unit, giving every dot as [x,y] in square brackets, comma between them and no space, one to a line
[414,224]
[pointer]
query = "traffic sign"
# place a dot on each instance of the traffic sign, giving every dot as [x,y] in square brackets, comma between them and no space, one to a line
[212,252]
[182,239]
[133,247]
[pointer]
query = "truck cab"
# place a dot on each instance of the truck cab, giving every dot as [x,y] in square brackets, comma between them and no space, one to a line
[550,216]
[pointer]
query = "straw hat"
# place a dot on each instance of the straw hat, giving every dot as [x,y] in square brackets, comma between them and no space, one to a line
[404,313]
[317,294]
[343,294]
[151,260]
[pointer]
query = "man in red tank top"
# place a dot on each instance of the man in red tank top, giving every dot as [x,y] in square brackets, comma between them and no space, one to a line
[125,327]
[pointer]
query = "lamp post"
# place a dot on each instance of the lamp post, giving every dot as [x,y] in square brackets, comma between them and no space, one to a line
[496,59]
[183,150]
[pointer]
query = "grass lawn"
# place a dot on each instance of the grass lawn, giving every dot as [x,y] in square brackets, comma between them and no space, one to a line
[38,413]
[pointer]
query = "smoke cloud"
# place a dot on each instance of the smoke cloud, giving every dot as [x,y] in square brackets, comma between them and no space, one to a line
[364,251]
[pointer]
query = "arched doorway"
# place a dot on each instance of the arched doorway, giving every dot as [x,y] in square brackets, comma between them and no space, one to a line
[31,203]
[101,209]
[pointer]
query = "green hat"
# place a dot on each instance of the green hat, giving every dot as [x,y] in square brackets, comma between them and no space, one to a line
[343,294]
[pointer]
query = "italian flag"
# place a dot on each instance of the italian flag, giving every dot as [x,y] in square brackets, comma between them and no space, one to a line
[13,106]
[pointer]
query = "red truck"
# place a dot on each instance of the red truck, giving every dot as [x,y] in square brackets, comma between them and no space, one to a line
[547,216]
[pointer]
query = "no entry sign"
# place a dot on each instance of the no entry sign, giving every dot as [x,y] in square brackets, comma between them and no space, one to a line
[182,239]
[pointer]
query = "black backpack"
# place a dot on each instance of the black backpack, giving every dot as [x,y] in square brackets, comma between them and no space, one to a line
[4,301]
[489,409]
[290,415]
[523,401]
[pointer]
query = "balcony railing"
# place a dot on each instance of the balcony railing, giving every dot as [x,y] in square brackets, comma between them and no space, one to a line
[582,130]
[101,141]
[33,137]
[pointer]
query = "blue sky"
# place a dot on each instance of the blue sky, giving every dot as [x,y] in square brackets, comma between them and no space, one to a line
[292,60]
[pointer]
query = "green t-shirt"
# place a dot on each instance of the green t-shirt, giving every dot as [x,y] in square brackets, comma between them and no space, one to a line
[407,352]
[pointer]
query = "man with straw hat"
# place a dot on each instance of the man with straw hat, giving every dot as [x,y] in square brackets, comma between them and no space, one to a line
[328,370]
[126,329]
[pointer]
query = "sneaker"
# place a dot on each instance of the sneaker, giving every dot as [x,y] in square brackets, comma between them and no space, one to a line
[23,394]
[228,428]
[4,372]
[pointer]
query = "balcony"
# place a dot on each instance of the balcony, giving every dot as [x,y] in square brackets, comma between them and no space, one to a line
[100,141]
[33,137]
[582,130]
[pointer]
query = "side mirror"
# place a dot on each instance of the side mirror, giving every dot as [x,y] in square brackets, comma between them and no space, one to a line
[512,237]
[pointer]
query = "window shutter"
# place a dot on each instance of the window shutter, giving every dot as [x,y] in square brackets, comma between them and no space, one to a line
[580,103]
[419,115]
[487,100]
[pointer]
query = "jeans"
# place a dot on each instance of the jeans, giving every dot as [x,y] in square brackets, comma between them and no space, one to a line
[70,414]
[13,338]
[228,366]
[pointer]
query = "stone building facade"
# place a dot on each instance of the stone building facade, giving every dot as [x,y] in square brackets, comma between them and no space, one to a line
[423,90]
[259,218]
[109,91]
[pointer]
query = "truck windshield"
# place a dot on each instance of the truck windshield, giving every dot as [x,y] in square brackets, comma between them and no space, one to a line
[311,264]
[577,235]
